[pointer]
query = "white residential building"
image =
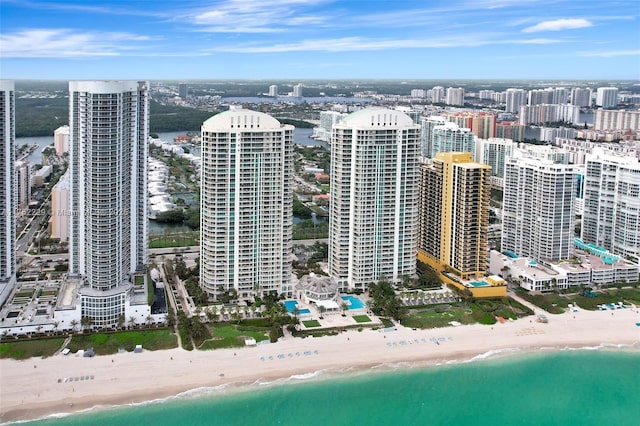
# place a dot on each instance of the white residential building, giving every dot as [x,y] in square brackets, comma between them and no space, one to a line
[297,90]
[515,98]
[426,134]
[374,198]
[437,94]
[611,217]
[455,96]
[607,97]
[581,97]
[494,152]
[246,204]
[108,242]
[273,91]
[606,119]
[328,119]
[60,210]
[451,138]
[61,140]
[8,188]
[538,207]
[23,184]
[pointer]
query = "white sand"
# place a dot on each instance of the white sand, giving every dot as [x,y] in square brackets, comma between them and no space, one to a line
[36,387]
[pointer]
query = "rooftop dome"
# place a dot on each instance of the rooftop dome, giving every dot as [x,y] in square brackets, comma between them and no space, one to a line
[240,119]
[376,118]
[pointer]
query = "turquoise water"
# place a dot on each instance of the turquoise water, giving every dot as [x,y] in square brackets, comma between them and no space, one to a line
[290,305]
[355,303]
[479,284]
[552,388]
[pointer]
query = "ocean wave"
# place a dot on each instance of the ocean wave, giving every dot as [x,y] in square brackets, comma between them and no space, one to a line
[494,353]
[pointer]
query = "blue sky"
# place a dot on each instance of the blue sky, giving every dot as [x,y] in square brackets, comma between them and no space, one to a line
[323,39]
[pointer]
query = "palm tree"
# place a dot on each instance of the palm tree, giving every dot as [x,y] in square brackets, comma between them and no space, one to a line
[344,308]
[85,322]
[148,320]
[56,324]
[295,311]
[74,324]
[120,320]
[322,310]
[132,321]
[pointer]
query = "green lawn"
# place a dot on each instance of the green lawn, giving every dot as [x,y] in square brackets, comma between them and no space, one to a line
[189,238]
[361,318]
[109,343]
[483,311]
[557,303]
[228,336]
[311,323]
[30,348]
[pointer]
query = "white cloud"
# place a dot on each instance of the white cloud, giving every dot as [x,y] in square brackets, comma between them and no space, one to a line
[611,54]
[251,16]
[558,25]
[65,43]
[346,44]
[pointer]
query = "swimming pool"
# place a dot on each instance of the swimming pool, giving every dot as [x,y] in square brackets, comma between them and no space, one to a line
[353,302]
[479,284]
[290,306]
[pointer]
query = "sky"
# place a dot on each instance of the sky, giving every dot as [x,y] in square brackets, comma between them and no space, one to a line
[320,39]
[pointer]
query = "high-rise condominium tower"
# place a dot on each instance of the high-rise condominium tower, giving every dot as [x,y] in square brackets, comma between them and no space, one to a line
[538,207]
[109,124]
[8,188]
[374,204]
[449,138]
[611,217]
[607,97]
[454,213]
[246,204]
[494,152]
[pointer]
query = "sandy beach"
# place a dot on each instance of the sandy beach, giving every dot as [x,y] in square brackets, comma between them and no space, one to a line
[61,384]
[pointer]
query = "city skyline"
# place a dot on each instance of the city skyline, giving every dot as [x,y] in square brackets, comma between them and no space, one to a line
[310,39]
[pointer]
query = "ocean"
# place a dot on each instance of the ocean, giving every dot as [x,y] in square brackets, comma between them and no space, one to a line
[570,387]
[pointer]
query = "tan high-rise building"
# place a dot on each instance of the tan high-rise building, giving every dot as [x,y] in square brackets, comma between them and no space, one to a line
[454,214]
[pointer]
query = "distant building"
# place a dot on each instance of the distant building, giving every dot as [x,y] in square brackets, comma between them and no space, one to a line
[538,208]
[515,98]
[183,91]
[373,213]
[418,93]
[297,90]
[455,96]
[61,140]
[60,209]
[8,189]
[449,137]
[607,97]
[616,120]
[426,134]
[494,152]
[581,97]
[23,181]
[273,91]
[482,124]
[510,130]
[328,119]
[454,213]
[437,94]
[246,204]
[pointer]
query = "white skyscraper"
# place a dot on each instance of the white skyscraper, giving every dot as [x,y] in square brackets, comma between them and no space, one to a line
[297,90]
[273,91]
[494,152]
[109,124]
[611,217]
[515,99]
[607,97]
[374,203]
[246,204]
[581,97]
[451,138]
[61,140]
[455,96]
[426,134]
[8,188]
[437,94]
[538,208]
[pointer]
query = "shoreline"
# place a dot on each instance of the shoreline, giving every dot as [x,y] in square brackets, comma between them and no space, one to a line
[36,388]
